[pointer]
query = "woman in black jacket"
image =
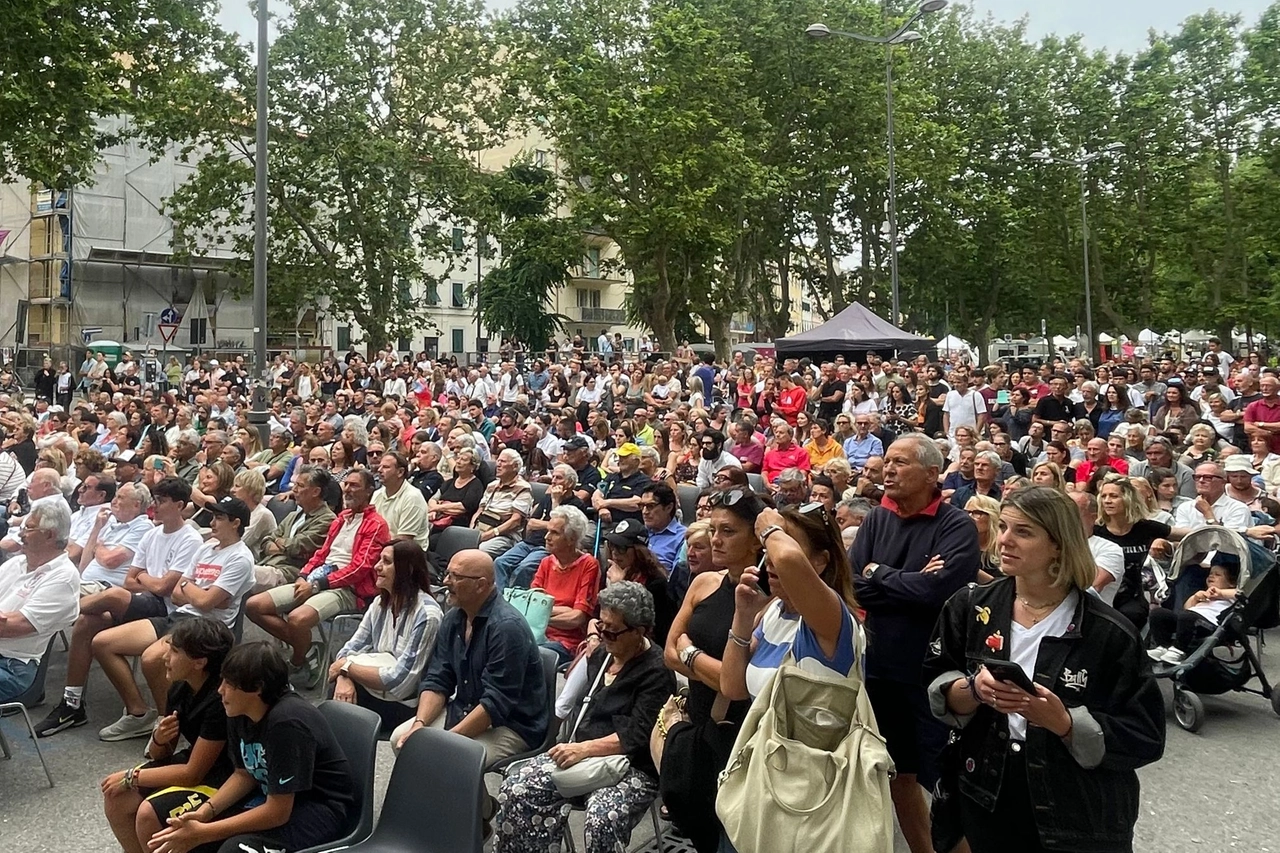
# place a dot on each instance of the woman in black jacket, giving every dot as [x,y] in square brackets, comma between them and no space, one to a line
[1051,769]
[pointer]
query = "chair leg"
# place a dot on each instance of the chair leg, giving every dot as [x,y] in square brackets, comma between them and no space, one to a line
[568,838]
[66,646]
[656,815]
[31,730]
[4,745]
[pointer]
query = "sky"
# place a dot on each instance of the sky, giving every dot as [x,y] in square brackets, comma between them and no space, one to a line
[1112,24]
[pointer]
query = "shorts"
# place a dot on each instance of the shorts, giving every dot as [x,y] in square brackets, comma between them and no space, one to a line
[913,735]
[328,602]
[92,587]
[164,624]
[143,605]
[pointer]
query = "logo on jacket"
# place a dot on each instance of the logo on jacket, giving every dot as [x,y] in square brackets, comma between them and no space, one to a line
[984,614]
[995,642]
[1075,680]
[935,648]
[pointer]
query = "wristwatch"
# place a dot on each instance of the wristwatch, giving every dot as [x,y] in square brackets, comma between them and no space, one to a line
[687,654]
[870,569]
[346,664]
[769,531]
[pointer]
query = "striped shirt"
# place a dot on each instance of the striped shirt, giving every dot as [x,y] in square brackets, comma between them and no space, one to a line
[409,638]
[781,633]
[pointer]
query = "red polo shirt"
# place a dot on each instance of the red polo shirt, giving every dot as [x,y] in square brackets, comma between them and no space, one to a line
[1265,411]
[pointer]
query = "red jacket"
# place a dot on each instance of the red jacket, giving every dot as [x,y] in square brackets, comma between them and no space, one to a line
[791,402]
[358,575]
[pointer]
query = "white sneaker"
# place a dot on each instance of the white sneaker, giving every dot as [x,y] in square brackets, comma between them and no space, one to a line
[1174,656]
[1157,653]
[129,726]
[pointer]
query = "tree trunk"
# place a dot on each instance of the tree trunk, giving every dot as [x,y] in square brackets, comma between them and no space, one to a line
[718,331]
[661,321]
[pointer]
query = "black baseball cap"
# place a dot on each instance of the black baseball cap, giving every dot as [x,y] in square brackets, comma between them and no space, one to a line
[576,443]
[628,533]
[232,508]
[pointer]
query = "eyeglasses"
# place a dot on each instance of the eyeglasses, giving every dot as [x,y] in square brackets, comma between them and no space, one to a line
[1206,477]
[613,635]
[647,505]
[975,513]
[721,478]
[458,577]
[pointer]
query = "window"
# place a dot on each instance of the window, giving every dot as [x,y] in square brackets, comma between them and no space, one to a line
[200,331]
[459,295]
[457,341]
[588,298]
[403,344]
[540,157]
[431,346]
[805,306]
[482,345]
[344,338]
[459,240]
[593,263]
[432,293]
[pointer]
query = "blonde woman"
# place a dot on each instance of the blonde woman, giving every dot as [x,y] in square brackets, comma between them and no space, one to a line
[250,487]
[1049,474]
[1122,519]
[1203,439]
[1150,501]
[984,512]
[841,474]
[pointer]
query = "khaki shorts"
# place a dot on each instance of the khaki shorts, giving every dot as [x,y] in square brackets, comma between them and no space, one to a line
[328,603]
[93,587]
[270,577]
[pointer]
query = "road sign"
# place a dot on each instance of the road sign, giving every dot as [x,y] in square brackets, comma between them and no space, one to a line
[88,332]
[170,315]
[167,331]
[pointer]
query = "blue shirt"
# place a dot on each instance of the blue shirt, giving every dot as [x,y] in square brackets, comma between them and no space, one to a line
[665,544]
[537,381]
[859,450]
[500,669]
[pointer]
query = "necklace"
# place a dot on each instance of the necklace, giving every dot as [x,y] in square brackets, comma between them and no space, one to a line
[1043,609]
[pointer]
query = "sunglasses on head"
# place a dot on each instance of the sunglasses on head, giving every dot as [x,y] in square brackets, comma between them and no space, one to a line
[730,497]
[816,509]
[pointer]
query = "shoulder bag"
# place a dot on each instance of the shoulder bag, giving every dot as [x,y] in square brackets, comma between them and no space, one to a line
[596,772]
[535,605]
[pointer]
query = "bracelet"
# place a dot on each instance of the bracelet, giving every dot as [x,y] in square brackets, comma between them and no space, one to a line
[130,780]
[767,532]
[738,641]
[420,721]
[971,683]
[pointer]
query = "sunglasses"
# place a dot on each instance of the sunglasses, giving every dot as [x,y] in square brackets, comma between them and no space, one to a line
[613,635]
[732,497]
[816,509]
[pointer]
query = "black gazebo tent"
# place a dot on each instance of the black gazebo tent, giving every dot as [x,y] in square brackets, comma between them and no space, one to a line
[852,333]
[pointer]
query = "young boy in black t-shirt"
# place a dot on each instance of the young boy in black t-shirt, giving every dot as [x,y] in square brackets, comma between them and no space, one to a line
[291,787]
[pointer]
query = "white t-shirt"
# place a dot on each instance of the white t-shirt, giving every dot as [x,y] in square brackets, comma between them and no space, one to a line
[48,598]
[229,569]
[964,409]
[160,553]
[1109,557]
[344,542]
[82,523]
[1024,649]
[115,533]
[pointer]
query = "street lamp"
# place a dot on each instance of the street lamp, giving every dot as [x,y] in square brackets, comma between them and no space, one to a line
[903,35]
[1082,165]
[258,410]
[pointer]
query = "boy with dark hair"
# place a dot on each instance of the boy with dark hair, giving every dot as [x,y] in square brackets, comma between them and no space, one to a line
[291,786]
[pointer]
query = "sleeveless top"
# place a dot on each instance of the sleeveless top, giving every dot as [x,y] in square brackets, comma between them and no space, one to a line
[708,628]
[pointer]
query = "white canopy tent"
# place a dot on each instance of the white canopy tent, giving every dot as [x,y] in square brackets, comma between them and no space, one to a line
[951,344]
[1148,337]
[1104,338]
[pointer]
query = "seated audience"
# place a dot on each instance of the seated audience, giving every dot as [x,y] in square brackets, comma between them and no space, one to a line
[571,578]
[299,534]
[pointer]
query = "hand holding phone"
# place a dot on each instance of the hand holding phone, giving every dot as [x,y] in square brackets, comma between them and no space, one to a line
[1009,672]
[762,577]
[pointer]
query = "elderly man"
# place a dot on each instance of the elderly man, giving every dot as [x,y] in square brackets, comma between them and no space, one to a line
[39,596]
[1097,454]
[1108,557]
[862,445]
[339,578]
[1159,453]
[1262,417]
[506,503]
[299,534]
[46,487]
[517,566]
[184,452]
[272,460]
[163,554]
[485,678]
[403,506]
[913,528]
[792,488]
[114,538]
[786,453]
[619,494]
[577,455]
[1212,506]
[425,477]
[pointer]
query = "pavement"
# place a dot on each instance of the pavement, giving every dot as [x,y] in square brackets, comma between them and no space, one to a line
[1213,791]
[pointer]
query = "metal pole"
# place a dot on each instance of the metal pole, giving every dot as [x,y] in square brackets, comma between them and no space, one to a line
[1088,291]
[893,185]
[258,414]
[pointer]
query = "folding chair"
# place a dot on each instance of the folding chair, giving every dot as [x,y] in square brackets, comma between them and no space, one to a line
[33,696]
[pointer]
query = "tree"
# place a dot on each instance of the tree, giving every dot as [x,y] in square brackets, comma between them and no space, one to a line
[538,249]
[377,110]
[65,66]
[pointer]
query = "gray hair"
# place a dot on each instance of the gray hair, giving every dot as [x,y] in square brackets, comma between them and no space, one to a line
[927,452]
[792,475]
[511,455]
[189,437]
[466,440]
[648,452]
[356,425]
[137,492]
[991,457]
[575,523]
[117,419]
[629,600]
[570,475]
[55,516]
[1090,385]
[858,507]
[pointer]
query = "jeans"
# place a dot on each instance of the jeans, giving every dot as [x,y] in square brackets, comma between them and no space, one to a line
[15,677]
[564,654]
[517,567]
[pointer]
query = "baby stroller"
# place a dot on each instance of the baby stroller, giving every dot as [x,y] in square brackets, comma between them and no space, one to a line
[1224,661]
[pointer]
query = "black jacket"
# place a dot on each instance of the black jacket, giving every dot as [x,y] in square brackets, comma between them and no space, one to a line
[629,706]
[1085,792]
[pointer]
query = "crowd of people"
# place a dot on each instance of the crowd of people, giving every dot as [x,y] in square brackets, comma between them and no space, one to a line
[700,526]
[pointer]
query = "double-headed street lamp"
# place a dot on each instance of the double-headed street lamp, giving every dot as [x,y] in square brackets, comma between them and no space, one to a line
[1082,166]
[903,35]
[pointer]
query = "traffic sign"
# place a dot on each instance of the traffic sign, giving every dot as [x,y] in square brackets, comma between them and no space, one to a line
[167,331]
[89,331]
[170,316]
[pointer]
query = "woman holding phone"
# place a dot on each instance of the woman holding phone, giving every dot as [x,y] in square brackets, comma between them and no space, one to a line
[1055,706]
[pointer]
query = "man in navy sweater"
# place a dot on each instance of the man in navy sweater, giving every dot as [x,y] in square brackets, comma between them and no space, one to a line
[912,553]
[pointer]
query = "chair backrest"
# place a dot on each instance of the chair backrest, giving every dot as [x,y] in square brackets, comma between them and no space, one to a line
[550,665]
[488,470]
[453,539]
[757,484]
[237,628]
[356,729]
[539,492]
[687,496]
[280,507]
[433,800]
[34,694]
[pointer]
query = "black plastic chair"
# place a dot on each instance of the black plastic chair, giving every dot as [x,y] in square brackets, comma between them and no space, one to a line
[356,729]
[687,497]
[550,672]
[280,508]
[757,484]
[433,802]
[539,492]
[451,540]
[33,697]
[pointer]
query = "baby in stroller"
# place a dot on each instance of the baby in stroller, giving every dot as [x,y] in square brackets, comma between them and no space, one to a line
[1175,634]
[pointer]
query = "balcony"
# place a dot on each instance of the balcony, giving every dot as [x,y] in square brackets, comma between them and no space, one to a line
[603,316]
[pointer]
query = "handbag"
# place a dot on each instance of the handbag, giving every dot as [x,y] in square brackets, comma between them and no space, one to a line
[808,764]
[945,822]
[596,772]
[535,605]
[672,712]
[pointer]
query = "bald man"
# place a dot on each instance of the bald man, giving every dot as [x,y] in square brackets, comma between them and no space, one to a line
[486,660]
[46,486]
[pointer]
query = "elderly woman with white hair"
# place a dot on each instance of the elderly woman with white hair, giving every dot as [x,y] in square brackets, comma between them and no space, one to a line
[571,577]
[505,505]
[354,431]
[615,704]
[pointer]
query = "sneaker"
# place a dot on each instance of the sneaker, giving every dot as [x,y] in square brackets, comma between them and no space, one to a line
[129,727]
[308,675]
[1158,653]
[62,717]
[1174,656]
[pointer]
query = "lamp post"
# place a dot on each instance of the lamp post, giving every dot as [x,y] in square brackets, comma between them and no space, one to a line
[1082,166]
[258,411]
[903,35]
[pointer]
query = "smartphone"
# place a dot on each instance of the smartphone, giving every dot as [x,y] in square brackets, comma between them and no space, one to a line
[763,577]
[1002,398]
[1003,670]
[158,464]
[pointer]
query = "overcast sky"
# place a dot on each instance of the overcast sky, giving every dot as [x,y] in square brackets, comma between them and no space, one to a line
[1113,24]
